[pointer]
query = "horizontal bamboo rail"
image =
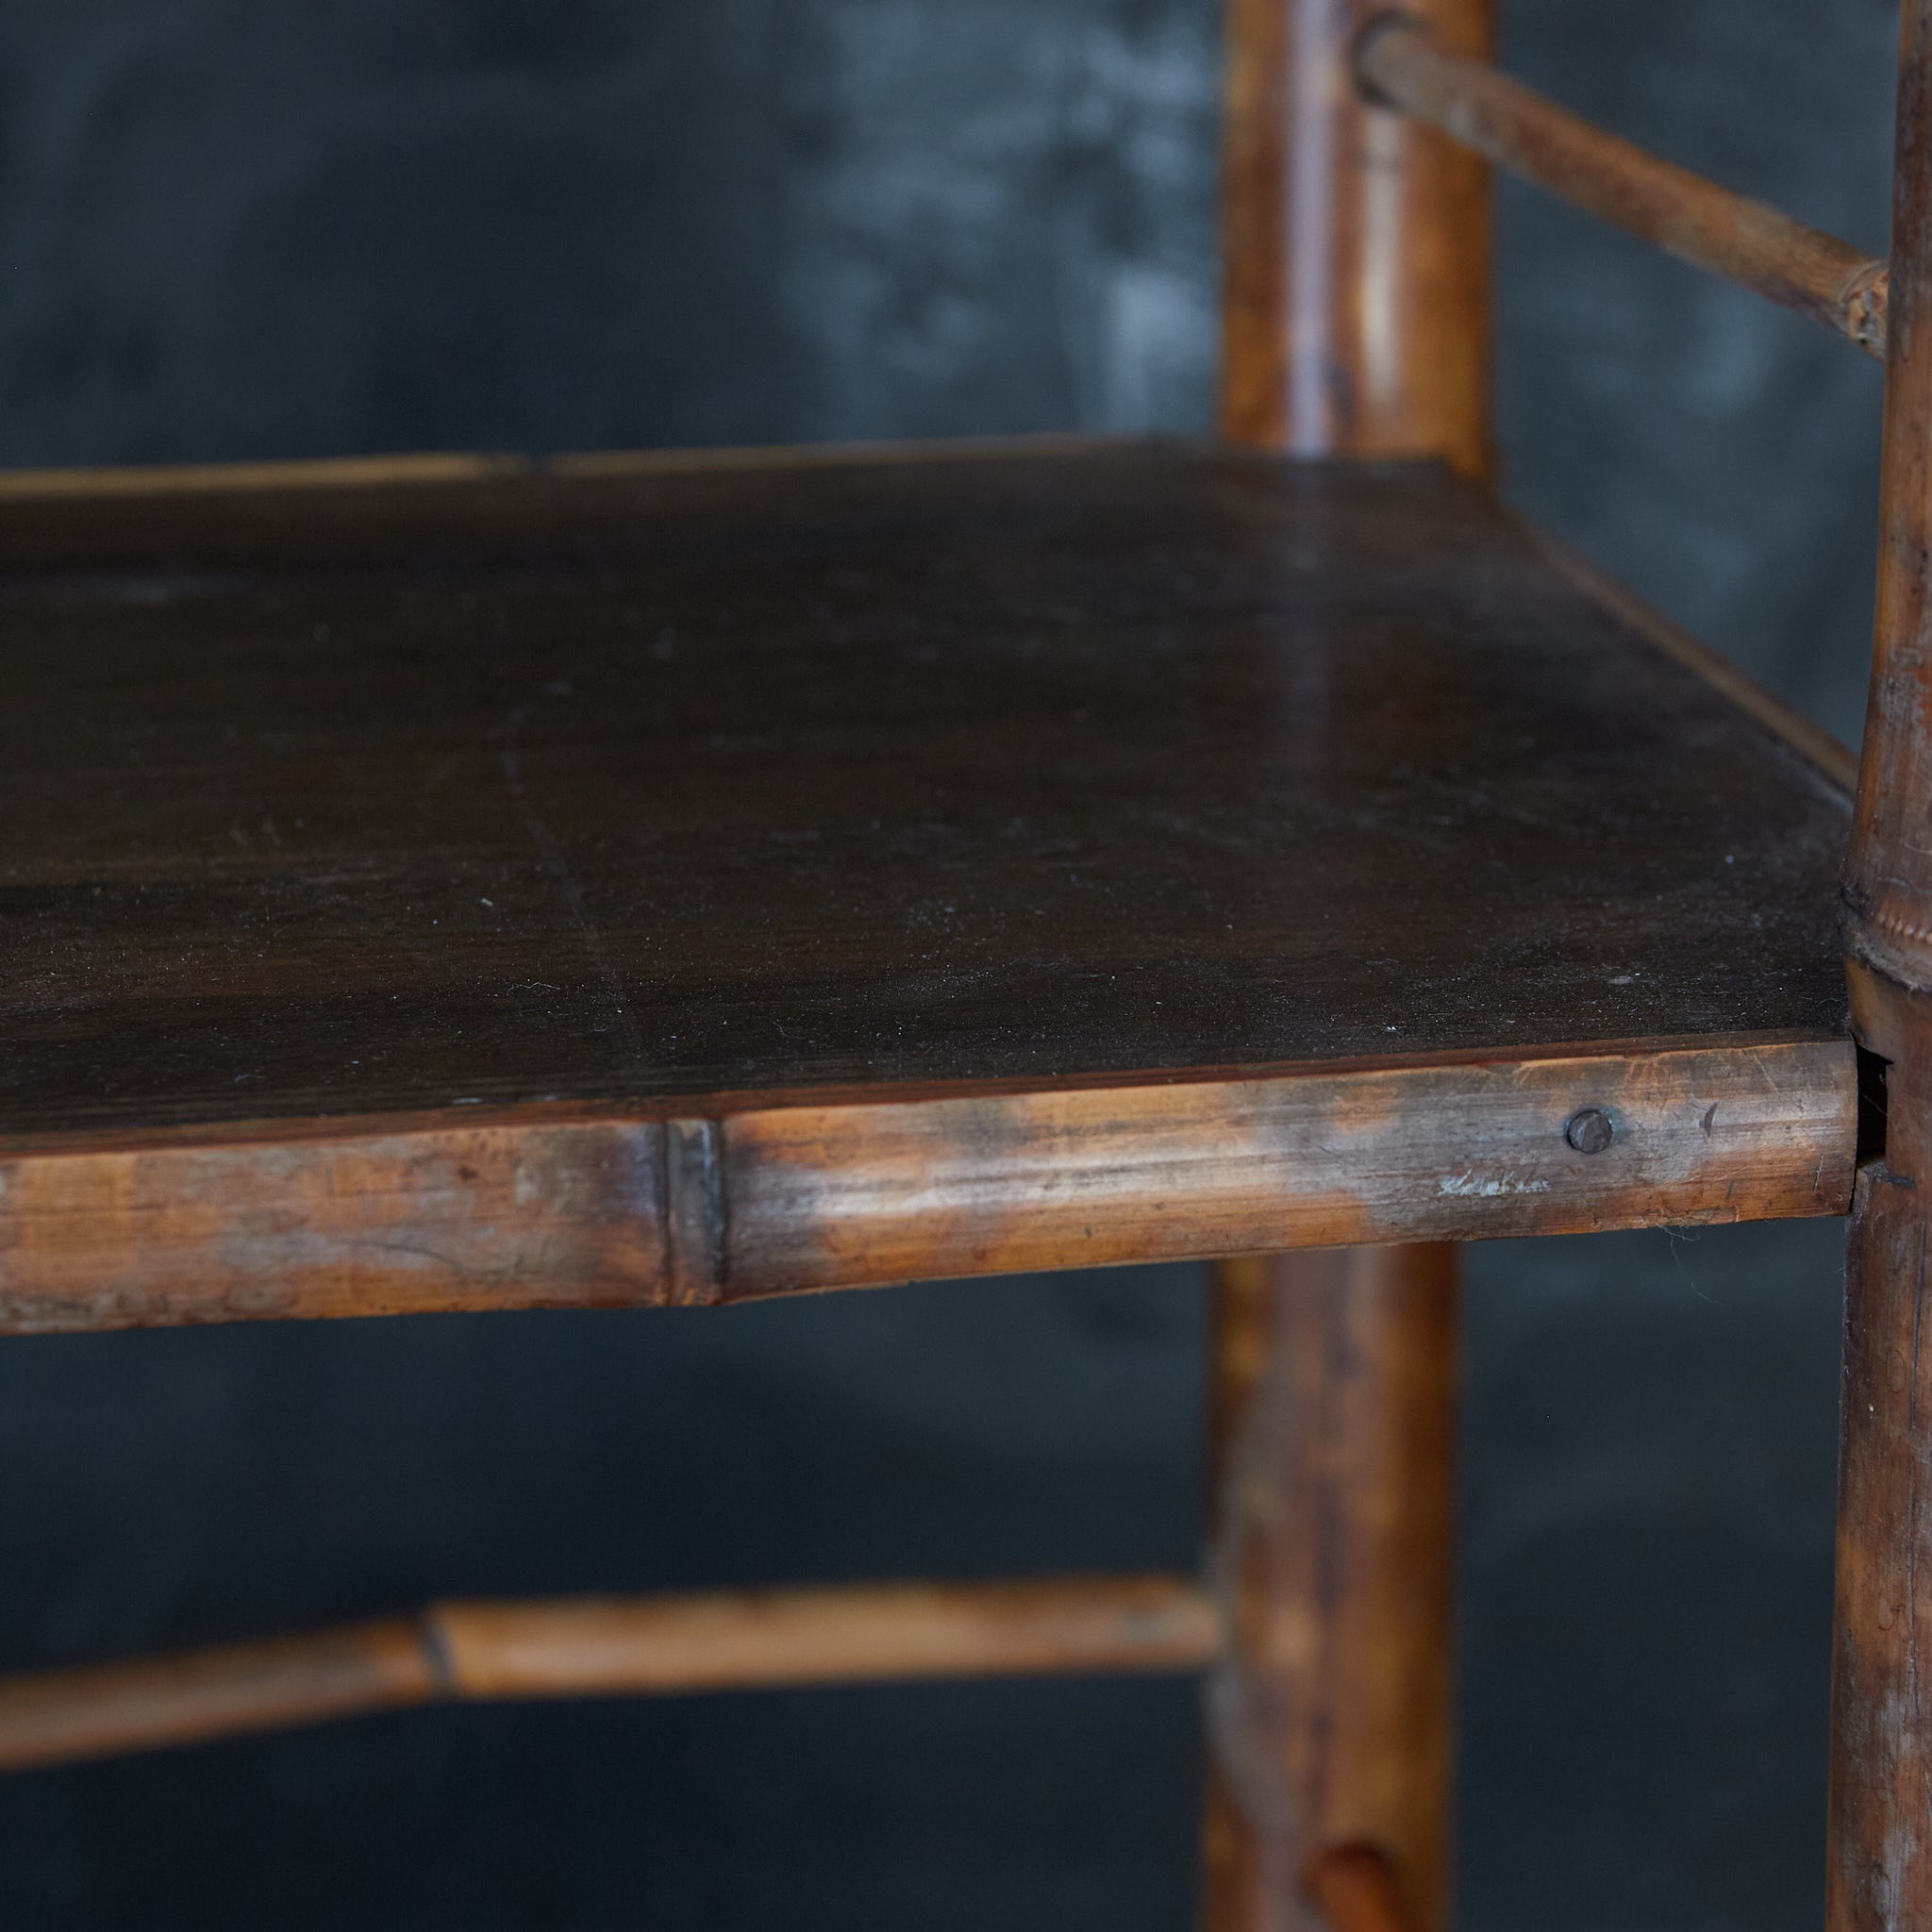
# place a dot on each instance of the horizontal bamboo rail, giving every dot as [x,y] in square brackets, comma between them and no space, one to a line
[611,1646]
[1401,63]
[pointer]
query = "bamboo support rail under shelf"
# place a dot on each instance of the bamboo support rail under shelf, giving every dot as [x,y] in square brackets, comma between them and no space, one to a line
[623,1646]
[1401,63]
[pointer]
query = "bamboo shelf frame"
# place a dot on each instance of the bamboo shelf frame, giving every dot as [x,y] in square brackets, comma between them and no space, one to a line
[1184,982]
[1356,327]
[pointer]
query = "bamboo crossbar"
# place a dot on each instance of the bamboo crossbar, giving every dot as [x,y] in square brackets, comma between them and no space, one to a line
[1401,63]
[610,1646]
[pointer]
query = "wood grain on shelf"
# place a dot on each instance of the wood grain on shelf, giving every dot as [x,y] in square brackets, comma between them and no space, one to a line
[1828,753]
[1132,761]
[549,888]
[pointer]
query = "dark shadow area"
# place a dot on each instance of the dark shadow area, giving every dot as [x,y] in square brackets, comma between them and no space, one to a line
[1648,1479]
[178,1488]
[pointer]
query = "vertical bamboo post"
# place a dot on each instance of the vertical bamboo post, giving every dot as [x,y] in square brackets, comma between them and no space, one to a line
[1880,1874]
[1356,244]
[1356,323]
[1329,1728]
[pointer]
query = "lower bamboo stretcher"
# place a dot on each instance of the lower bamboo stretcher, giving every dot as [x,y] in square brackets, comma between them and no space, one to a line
[635,1646]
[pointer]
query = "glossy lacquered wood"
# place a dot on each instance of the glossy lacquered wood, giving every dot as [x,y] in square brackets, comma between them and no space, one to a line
[679,881]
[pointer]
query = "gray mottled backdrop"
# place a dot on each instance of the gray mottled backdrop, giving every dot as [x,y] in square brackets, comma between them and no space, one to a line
[233,229]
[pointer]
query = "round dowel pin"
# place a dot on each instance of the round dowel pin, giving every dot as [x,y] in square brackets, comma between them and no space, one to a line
[1591,1131]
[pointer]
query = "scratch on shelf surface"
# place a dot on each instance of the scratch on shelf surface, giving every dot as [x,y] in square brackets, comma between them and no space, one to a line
[396,1247]
[552,852]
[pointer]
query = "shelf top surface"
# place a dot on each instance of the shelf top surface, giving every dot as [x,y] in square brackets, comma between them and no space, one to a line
[667,781]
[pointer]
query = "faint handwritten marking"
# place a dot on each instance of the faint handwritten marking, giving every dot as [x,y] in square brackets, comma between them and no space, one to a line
[1487,1187]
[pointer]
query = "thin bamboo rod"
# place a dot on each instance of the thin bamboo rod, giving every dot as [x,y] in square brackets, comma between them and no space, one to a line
[1403,63]
[611,1646]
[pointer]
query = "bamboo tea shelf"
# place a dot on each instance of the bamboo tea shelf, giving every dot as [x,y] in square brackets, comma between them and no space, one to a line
[678,881]
[466,883]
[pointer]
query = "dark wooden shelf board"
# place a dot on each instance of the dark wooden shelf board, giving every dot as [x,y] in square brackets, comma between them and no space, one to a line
[642,879]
